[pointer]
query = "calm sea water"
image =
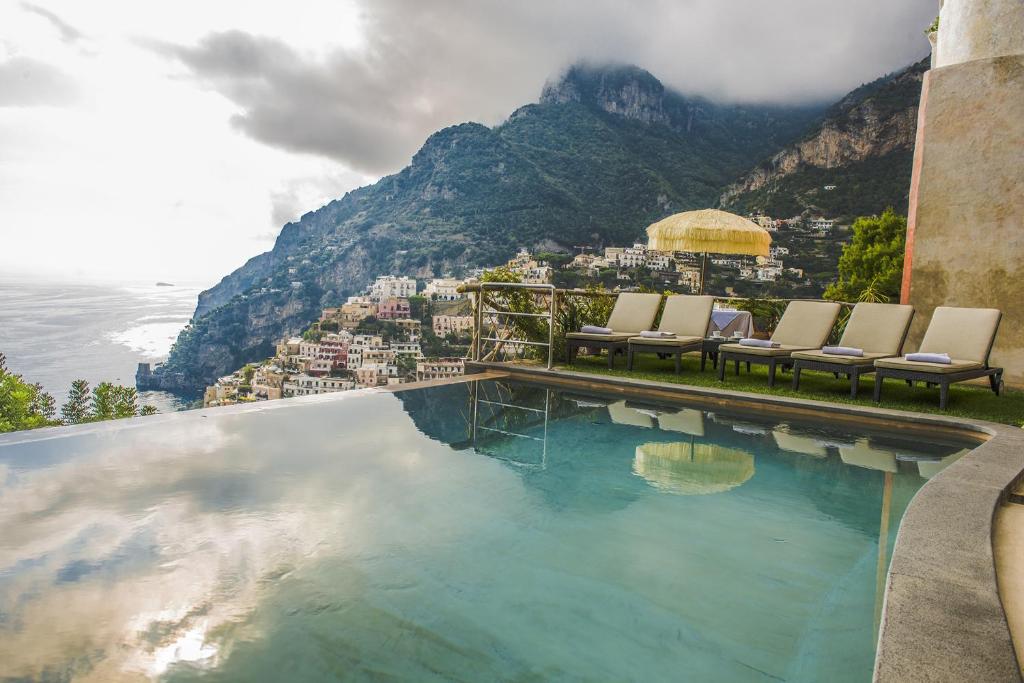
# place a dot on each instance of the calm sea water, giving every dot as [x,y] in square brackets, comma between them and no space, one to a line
[482,531]
[55,333]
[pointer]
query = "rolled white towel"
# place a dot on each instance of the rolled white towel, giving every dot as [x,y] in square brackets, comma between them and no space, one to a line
[843,351]
[657,334]
[763,343]
[594,329]
[941,358]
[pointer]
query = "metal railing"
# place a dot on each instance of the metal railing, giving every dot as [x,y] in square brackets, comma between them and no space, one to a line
[481,305]
[767,317]
[497,407]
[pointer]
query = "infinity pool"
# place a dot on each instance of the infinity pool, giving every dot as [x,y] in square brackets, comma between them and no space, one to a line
[475,531]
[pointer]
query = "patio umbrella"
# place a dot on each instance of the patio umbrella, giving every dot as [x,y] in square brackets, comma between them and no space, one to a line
[708,231]
[692,469]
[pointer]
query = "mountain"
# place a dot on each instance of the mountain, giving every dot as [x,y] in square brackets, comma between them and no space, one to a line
[864,146]
[603,153]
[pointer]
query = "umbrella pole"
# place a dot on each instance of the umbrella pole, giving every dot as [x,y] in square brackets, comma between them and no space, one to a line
[703,271]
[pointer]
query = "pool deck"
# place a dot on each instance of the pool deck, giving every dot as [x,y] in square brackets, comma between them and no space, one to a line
[943,618]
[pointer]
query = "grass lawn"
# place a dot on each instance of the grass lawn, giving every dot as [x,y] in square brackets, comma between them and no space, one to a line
[964,400]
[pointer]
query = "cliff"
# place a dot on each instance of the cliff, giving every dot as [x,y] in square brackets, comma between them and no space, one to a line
[863,146]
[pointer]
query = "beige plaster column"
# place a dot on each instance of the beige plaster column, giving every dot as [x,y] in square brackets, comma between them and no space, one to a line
[965,242]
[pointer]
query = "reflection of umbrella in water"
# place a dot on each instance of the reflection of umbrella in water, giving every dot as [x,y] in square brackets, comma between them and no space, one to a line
[692,469]
[708,231]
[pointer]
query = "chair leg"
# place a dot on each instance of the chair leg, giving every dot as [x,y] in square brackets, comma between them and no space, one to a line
[629,358]
[679,362]
[994,380]
[703,360]
[748,367]
[878,387]
[943,394]
[611,357]
[854,383]
[910,382]
[736,369]
[721,368]
[771,372]
[796,378]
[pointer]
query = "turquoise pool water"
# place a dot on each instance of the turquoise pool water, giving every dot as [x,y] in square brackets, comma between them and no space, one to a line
[477,531]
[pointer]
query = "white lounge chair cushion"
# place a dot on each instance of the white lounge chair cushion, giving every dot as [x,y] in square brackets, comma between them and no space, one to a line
[783,350]
[615,336]
[668,341]
[937,368]
[821,356]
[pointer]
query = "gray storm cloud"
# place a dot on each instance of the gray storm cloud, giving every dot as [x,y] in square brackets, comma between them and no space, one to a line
[423,66]
[28,82]
[68,33]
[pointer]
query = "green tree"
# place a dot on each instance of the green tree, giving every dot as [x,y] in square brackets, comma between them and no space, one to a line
[104,402]
[76,409]
[872,263]
[22,405]
[126,401]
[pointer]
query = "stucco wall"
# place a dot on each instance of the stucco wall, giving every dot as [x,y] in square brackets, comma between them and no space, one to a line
[967,218]
[979,29]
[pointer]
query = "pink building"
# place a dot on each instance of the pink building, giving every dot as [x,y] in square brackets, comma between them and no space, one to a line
[393,309]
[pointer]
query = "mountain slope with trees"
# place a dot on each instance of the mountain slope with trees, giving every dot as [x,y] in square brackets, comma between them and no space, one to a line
[864,147]
[603,153]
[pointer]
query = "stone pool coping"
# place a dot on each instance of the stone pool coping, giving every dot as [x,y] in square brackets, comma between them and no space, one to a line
[942,617]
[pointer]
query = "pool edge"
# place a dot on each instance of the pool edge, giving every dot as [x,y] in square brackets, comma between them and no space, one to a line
[942,616]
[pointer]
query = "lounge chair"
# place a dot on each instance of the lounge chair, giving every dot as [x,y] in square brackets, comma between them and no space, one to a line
[878,330]
[633,313]
[966,335]
[804,325]
[687,318]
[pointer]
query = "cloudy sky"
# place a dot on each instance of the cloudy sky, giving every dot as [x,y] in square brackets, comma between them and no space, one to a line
[172,140]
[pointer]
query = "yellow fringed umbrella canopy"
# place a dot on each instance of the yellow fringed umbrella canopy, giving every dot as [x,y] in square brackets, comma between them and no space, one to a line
[708,231]
[692,469]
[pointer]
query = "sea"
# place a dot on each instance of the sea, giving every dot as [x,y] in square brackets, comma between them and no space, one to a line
[56,332]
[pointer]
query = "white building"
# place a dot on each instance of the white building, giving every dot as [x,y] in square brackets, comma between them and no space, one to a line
[447,324]
[443,289]
[634,256]
[769,273]
[376,374]
[612,254]
[305,385]
[766,222]
[390,287]
[820,224]
[659,260]
[409,348]
[440,368]
[537,275]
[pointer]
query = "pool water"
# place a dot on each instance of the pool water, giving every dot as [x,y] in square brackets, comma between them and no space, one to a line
[475,531]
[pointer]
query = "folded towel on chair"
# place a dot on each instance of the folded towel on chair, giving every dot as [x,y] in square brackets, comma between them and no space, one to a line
[657,334]
[594,329]
[764,343]
[842,351]
[942,358]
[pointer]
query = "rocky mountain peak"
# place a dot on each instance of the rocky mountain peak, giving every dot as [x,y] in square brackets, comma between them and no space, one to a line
[625,90]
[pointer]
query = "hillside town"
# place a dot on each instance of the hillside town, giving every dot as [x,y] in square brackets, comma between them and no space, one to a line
[397,331]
